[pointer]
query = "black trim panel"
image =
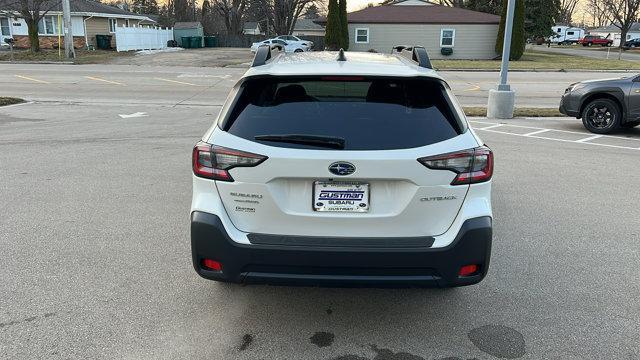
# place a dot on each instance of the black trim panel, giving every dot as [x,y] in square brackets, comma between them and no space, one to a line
[408,242]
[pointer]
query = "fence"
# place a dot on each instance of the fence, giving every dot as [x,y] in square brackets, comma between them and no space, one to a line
[245,40]
[139,38]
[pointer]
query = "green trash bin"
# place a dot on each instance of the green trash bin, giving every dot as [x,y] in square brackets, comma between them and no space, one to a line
[103,42]
[185,42]
[210,41]
[196,42]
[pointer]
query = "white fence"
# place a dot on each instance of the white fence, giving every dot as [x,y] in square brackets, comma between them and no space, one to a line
[139,38]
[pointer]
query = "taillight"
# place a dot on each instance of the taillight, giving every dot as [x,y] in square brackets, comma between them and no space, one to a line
[472,165]
[213,162]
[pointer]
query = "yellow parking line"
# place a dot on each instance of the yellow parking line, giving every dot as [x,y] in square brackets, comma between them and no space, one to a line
[103,80]
[176,81]
[474,88]
[32,79]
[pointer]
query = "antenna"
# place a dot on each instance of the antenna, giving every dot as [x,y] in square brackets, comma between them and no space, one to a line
[341,56]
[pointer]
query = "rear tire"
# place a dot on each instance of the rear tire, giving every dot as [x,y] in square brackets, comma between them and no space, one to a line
[298,50]
[601,116]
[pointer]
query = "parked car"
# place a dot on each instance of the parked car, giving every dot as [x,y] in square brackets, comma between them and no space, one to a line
[342,168]
[295,39]
[604,105]
[631,44]
[590,40]
[288,47]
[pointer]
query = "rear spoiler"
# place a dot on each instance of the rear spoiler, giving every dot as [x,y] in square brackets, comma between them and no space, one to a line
[266,53]
[416,54]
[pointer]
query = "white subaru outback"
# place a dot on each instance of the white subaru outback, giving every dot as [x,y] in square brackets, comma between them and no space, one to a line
[332,168]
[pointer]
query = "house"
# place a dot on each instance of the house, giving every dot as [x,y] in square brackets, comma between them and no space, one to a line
[613,32]
[252,28]
[468,34]
[88,19]
[307,27]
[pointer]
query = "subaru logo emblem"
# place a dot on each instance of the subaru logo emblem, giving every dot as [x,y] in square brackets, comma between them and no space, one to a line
[342,168]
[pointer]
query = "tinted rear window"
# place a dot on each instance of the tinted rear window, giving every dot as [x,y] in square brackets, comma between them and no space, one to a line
[368,113]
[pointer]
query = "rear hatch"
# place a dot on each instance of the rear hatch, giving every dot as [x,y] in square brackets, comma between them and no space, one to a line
[338,156]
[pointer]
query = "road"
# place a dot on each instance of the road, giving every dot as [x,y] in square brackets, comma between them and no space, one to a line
[596,52]
[94,237]
[157,85]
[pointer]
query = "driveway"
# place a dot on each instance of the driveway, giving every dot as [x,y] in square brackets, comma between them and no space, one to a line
[205,57]
[594,52]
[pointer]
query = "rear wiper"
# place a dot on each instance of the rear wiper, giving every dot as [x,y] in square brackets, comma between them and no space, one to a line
[323,141]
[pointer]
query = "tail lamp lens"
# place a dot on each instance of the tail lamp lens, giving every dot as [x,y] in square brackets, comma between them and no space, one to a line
[471,165]
[214,162]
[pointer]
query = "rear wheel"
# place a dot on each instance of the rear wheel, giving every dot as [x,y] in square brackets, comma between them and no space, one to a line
[601,116]
[298,50]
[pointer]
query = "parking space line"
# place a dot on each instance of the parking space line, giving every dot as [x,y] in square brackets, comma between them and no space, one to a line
[176,81]
[473,88]
[32,79]
[536,135]
[104,80]
[536,132]
[490,127]
[589,138]
[539,128]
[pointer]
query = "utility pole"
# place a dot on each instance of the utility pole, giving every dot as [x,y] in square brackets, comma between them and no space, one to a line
[69,51]
[502,101]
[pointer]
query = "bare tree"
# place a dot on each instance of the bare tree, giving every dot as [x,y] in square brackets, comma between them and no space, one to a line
[622,13]
[232,12]
[567,8]
[597,12]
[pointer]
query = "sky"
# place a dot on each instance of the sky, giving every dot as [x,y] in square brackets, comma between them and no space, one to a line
[353,5]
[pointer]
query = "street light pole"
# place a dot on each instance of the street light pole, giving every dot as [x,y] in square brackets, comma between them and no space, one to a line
[502,101]
[69,51]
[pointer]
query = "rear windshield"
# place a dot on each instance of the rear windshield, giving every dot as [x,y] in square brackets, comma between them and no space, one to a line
[367,113]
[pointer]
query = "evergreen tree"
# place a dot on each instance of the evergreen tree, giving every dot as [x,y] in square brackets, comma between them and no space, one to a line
[333,29]
[517,34]
[540,17]
[486,6]
[344,25]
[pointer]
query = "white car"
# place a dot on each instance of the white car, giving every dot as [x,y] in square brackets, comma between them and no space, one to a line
[288,47]
[295,39]
[334,168]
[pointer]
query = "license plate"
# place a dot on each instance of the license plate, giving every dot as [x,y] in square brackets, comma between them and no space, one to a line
[340,196]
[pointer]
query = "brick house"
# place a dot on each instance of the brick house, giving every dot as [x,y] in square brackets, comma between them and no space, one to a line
[88,19]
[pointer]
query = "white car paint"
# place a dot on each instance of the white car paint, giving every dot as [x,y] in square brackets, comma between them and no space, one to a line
[288,47]
[399,184]
[296,40]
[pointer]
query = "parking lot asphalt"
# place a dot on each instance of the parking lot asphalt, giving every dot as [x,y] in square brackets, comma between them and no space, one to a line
[95,188]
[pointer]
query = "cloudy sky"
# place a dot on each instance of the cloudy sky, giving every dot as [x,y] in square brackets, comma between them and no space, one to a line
[353,5]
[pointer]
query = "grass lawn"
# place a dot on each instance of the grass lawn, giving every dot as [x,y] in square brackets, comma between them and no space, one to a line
[538,60]
[518,112]
[9,101]
[82,56]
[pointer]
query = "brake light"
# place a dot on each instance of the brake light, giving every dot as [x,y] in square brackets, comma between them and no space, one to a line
[213,162]
[472,165]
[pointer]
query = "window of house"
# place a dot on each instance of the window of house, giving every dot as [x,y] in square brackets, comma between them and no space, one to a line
[447,37]
[113,24]
[362,36]
[4,27]
[48,25]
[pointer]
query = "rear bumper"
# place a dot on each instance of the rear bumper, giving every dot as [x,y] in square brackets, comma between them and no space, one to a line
[340,266]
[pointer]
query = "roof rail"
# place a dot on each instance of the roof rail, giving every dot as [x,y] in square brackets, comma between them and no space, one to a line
[265,53]
[417,54]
